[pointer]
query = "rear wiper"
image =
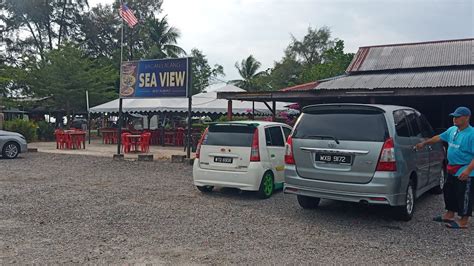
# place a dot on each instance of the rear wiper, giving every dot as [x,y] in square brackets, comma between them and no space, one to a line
[323,137]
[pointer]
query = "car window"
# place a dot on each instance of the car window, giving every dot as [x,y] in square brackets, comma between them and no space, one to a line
[401,124]
[274,136]
[346,123]
[426,129]
[230,135]
[413,123]
[287,132]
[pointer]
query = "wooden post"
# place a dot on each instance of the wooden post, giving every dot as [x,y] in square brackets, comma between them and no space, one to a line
[253,110]
[229,110]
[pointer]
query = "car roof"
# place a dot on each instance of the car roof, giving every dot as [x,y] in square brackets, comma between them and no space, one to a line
[258,123]
[387,108]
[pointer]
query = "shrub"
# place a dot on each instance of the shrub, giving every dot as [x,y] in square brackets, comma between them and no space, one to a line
[45,131]
[26,128]
[223,118]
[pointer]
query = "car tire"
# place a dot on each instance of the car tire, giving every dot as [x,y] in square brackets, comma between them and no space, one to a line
[442,180]
[405,212]
[267,186]
[10,150]
[205,189]
[308,202]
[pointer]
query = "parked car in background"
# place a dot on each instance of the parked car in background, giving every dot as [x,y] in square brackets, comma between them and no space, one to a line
[248,155]
[362,153]
[12,144]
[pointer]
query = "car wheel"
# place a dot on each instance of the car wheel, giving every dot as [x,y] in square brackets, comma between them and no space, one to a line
[10,150]
[205,189]
[405,212]
[442,180]
[308,202]
[267,186]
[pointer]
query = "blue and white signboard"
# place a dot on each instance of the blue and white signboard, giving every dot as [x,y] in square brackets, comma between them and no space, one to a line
[155,78]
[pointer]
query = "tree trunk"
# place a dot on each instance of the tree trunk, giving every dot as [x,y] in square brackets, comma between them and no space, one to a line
[61,22]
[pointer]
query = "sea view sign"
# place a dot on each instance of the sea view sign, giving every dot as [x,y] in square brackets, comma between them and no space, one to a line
[155,78]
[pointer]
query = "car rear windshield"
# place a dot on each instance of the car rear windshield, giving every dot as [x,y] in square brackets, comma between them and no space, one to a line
[230,135]
[356,124]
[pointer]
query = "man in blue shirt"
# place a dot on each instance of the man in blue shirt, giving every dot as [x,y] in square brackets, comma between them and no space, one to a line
[459,187]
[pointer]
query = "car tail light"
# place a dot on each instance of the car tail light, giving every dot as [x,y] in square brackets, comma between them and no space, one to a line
[198,148]
[387,162]
[255,150]
[289,158]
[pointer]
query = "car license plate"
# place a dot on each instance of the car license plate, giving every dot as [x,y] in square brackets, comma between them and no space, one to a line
[333,158]
[222,159]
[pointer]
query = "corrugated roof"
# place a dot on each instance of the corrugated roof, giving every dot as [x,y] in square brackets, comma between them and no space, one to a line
[415,79]
[302,87]
[414,55]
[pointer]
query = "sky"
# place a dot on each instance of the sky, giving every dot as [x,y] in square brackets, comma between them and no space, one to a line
[228,31]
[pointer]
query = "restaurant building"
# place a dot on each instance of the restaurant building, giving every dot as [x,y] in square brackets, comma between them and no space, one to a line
[433,77]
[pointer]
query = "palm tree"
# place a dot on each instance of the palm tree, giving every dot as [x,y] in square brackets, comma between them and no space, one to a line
[163,39]
[248,70]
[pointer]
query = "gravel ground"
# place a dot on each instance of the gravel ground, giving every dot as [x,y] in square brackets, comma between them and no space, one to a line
[83,209]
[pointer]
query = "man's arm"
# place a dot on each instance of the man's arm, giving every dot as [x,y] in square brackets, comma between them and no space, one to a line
[433,140]
[465,174]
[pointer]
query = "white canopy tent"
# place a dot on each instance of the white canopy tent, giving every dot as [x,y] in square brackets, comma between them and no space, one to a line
[202,103]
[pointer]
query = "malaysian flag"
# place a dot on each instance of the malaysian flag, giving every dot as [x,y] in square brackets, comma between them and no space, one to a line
[128,16]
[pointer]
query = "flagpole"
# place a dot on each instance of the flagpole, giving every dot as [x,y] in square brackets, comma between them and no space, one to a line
[119,137]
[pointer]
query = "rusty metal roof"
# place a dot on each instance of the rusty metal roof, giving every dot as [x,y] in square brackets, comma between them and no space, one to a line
[413,55]
[410,79]
[302,87]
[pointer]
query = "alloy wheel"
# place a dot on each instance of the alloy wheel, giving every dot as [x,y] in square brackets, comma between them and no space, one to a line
[11,150]
[410,199]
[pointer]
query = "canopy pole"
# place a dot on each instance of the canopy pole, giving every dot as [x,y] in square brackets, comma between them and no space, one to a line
[273,111]
[189,91]
[119,133]
[253,110]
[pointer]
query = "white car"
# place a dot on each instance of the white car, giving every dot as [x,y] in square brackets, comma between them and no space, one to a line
[248,155]
[12,144]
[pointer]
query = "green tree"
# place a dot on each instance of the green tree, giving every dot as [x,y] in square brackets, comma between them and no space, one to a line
[335,62]
[67,75]
[161,39]
[311,48]
[203,73]
[100,32]
[35,27]
[248,70]
[286,72]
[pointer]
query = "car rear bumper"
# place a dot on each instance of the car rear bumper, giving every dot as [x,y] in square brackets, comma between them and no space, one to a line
[249,180]
[384,188]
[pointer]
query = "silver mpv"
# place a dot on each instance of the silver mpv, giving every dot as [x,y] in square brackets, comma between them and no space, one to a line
[362,153]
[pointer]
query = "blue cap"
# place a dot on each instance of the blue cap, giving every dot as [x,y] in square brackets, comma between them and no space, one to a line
[461,111]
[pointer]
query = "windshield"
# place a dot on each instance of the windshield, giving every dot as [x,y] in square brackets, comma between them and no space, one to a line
[343,124]
[230,135]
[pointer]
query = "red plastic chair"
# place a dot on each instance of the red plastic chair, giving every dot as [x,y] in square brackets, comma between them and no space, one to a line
[169,135]
[79,141]
[126,144]
[145,142]
[58,136]
[179,139]
[66,141]
[155,137]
